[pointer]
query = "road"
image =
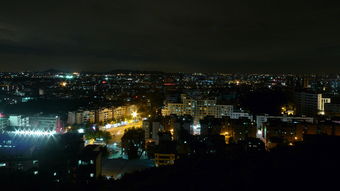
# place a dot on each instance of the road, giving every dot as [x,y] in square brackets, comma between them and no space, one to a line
[118,132]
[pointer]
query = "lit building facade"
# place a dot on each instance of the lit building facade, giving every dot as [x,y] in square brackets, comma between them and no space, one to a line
[104,115]
[18,121]
[198,109]
[3,121]
[122,112]
[45,123]
[310,104]
[81,117]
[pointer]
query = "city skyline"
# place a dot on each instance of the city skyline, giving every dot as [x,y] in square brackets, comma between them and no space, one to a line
[192,36]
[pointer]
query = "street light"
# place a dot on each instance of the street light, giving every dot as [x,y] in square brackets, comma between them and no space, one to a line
[81,131]
[134,114]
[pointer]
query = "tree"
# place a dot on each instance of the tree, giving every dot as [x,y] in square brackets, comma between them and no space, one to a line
[94,134]
[133,142]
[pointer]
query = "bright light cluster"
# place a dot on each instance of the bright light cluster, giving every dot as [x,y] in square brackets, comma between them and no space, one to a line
[134,114]
[196,129]
[34,133]
[108,126]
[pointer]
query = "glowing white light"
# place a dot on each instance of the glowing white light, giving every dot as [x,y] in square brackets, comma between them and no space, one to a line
[34,132]
[81,131]
[196,129]
[134,114]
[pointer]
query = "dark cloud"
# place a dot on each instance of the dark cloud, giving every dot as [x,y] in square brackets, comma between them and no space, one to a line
[176,35]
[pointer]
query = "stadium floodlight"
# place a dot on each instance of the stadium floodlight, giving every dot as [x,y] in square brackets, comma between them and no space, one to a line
[34,132]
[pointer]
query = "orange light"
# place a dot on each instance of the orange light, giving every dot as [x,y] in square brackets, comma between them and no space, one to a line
[64,84]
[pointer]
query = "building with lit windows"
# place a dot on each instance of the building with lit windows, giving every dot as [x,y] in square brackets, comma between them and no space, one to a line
[122,112]
[288,133]
[3,121]
[104,115]
[45,123]
[261,119]
[81,117]
[90,162]
[197,108]
[238,130]
[310,104]
[18,121]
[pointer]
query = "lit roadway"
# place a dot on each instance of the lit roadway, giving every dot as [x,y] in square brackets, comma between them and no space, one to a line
[118,132]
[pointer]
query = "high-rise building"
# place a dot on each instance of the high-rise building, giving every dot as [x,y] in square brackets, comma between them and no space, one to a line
[310,104]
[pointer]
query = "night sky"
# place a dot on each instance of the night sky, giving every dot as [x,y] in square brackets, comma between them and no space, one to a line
[170,35]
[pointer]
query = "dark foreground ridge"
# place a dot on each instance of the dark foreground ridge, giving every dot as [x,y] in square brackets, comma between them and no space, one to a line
[307,166]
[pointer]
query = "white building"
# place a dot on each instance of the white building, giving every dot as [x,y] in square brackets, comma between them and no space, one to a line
[18,121]
[122,112]
[45,122]
[81,117]
[198,109]
[104,115]
[240,114]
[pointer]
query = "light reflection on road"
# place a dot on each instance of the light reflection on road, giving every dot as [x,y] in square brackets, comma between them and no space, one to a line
[118,132]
